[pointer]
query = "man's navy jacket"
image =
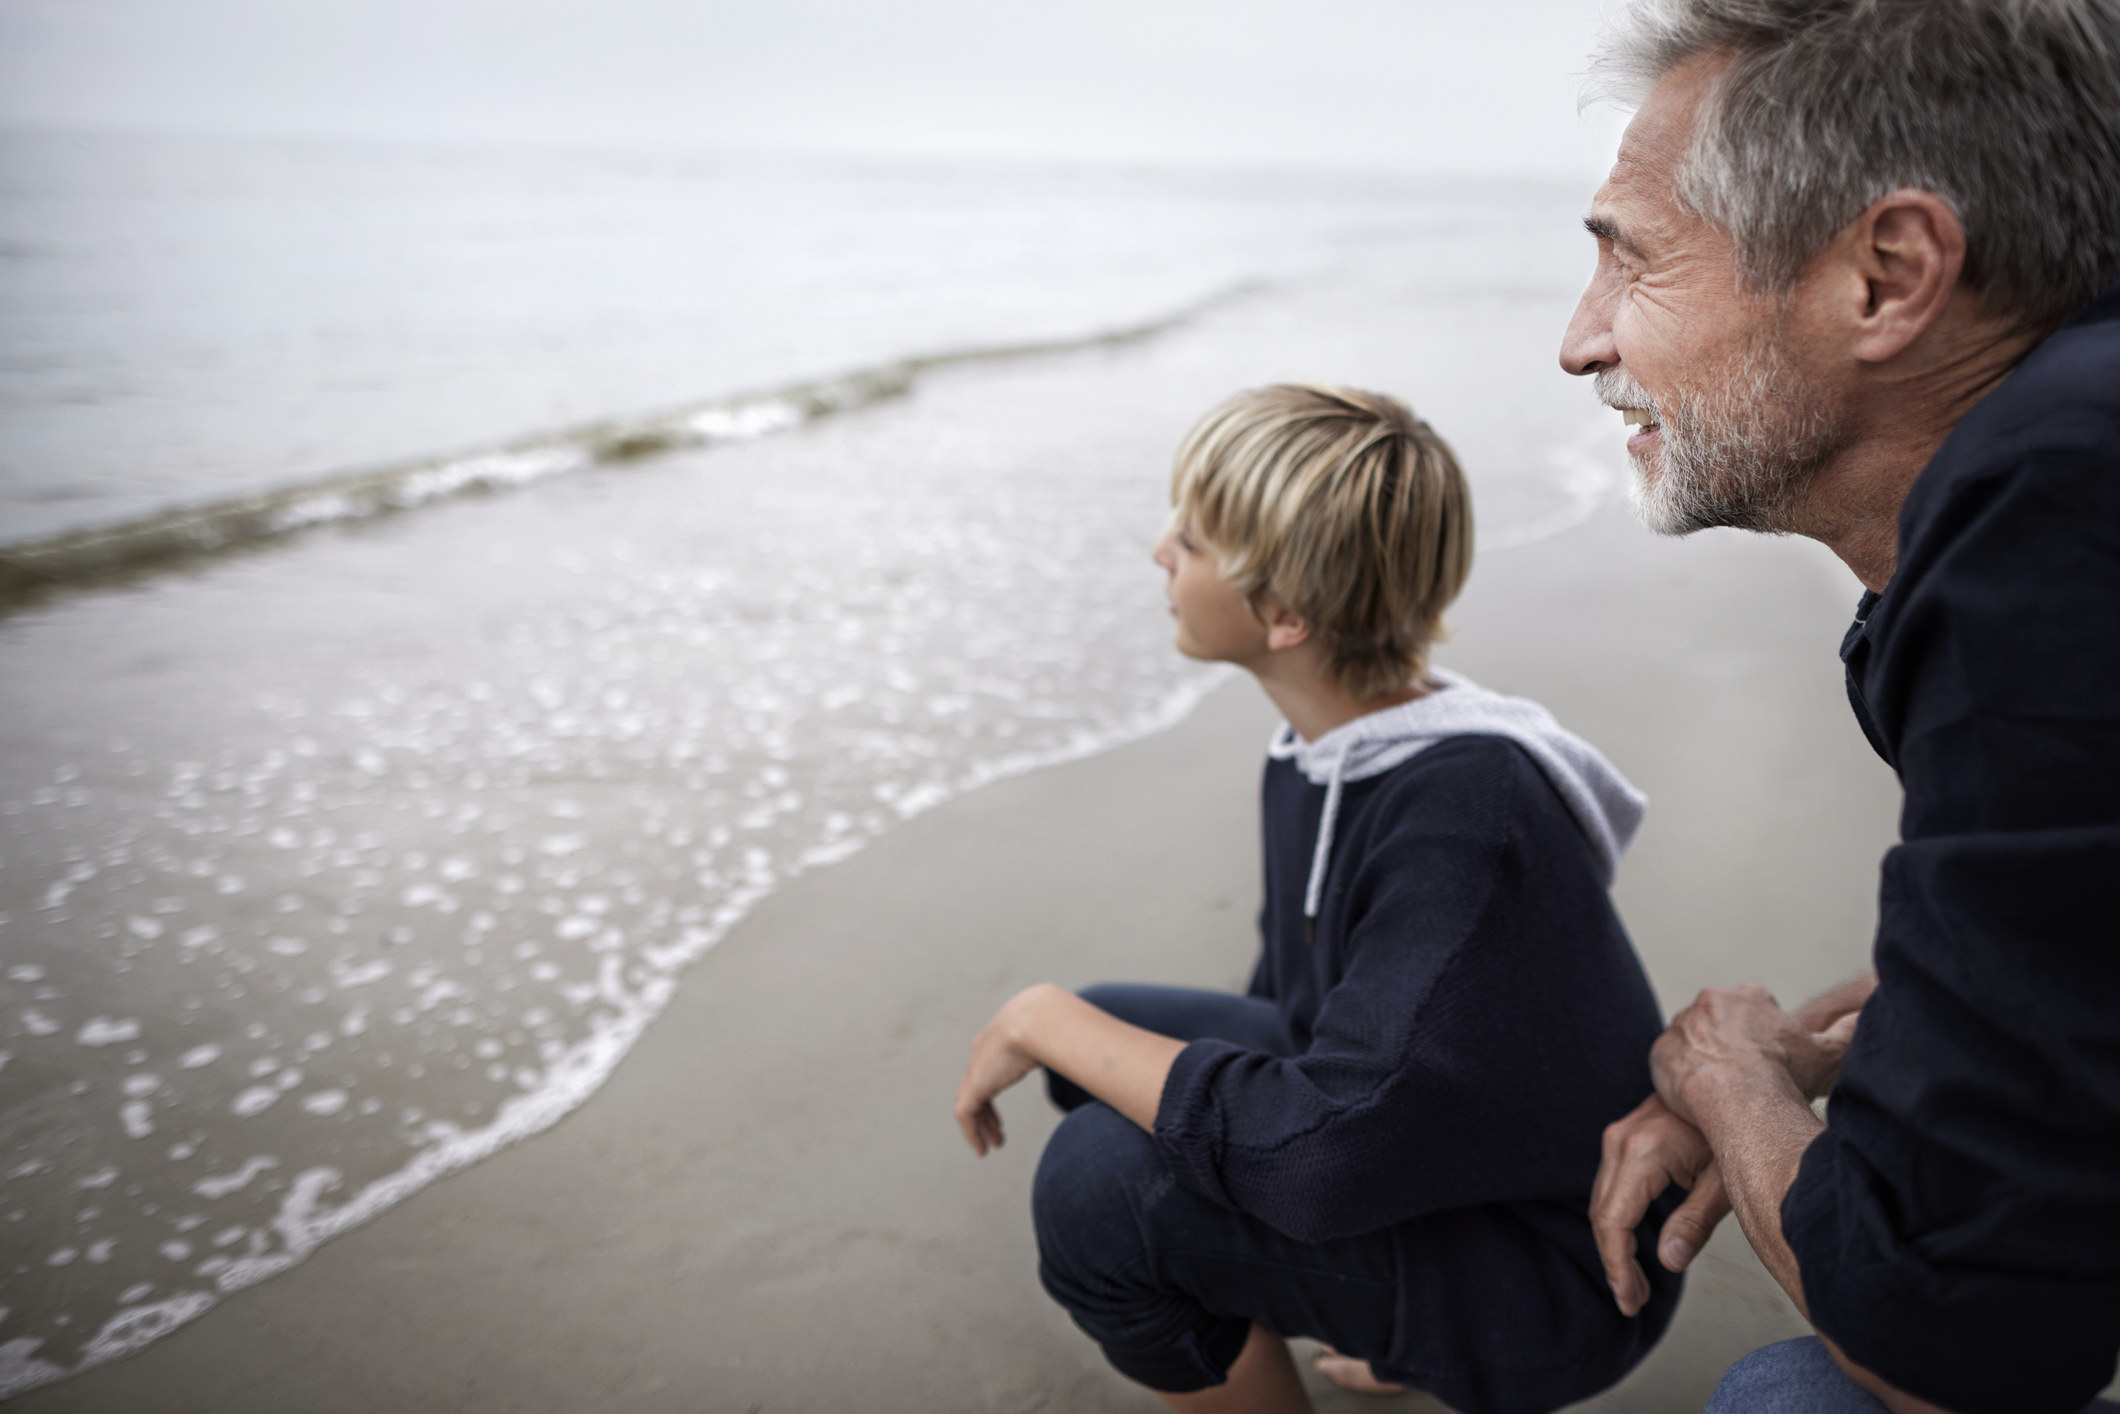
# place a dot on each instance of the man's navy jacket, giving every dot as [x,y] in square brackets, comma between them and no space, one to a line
[1958,1222]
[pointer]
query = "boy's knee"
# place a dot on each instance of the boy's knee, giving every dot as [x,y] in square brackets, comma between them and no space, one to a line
[1096,1196]
[1109,997]
[1098,1172]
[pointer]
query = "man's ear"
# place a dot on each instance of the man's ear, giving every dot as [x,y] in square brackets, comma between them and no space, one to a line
[1906,254]
[1285,628]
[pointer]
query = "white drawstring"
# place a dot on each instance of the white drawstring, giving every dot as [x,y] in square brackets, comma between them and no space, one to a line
[1322,857]
[1283,748]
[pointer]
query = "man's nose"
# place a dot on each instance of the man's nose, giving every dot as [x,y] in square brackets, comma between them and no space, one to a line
[1588,346]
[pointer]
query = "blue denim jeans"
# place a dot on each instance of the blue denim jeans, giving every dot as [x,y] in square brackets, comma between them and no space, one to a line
[1799,1377]
[1165,1281]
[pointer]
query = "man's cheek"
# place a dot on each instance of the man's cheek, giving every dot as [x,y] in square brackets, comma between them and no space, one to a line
[1641,339]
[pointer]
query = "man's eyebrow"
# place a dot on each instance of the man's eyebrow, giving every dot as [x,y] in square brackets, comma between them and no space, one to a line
[1607,229]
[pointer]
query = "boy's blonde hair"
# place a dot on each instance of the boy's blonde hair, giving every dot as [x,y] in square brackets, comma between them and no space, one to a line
[1343,506]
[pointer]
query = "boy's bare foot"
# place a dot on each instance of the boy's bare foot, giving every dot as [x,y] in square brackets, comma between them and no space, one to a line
[1349,1373]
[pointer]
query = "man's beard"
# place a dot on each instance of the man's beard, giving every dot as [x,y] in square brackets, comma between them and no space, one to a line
[1741,453]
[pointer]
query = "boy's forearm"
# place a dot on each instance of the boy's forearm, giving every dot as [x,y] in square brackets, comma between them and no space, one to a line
[1121,1064]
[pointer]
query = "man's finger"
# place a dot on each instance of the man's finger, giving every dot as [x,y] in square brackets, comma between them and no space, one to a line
[1688,1228]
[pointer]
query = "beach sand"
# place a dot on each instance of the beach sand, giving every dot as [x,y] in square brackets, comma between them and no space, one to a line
[768,1206]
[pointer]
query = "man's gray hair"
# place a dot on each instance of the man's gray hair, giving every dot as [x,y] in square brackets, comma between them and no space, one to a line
[2007,109]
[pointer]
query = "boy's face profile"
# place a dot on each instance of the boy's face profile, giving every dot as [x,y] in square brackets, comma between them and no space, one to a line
[1216,623]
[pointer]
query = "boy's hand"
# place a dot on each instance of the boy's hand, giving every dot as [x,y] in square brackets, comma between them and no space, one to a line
[1645,1153]
[1116,1061]
[998,1061]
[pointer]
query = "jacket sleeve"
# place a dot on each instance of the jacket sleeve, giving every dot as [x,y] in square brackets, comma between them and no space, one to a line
[1958,1222]
[1463,1056]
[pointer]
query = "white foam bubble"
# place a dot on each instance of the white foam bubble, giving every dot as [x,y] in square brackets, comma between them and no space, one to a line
[221,1185]
[104,1031]
[745,421]
[19,1370]
[361,974]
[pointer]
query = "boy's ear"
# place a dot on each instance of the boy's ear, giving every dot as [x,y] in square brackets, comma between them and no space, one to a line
[1285,628]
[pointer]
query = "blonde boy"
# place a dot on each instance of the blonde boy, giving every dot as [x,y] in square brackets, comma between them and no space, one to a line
[1387,1144]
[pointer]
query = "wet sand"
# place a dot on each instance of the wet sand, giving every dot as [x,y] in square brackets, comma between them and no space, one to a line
[768,1208]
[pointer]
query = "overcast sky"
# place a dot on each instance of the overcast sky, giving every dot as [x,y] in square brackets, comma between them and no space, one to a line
[1410,85]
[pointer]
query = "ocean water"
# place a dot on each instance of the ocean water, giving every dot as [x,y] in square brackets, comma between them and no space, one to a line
[181,319]
[340,859]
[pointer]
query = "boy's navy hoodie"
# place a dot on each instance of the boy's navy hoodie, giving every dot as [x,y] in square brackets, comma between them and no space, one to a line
[1468,1015]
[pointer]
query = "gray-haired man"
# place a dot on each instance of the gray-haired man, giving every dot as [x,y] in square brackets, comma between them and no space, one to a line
[1855,281]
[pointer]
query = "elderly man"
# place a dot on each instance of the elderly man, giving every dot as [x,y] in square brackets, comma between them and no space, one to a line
[1855,281]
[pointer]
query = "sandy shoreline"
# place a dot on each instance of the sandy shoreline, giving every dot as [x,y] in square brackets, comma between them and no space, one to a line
[767,1206]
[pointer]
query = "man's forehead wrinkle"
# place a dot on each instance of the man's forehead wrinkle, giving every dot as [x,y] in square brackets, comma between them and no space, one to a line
[1649,161]
[1626,210]
[1640,206]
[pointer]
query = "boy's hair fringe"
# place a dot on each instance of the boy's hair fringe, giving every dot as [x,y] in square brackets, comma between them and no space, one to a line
[1342,505]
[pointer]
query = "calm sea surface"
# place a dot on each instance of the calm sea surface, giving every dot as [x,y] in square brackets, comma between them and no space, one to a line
[337,862]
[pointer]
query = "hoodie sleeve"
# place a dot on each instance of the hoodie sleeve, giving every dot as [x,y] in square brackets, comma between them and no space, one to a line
[1490,1020]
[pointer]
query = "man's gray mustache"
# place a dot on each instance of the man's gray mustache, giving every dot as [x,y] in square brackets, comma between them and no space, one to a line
[1617,388]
